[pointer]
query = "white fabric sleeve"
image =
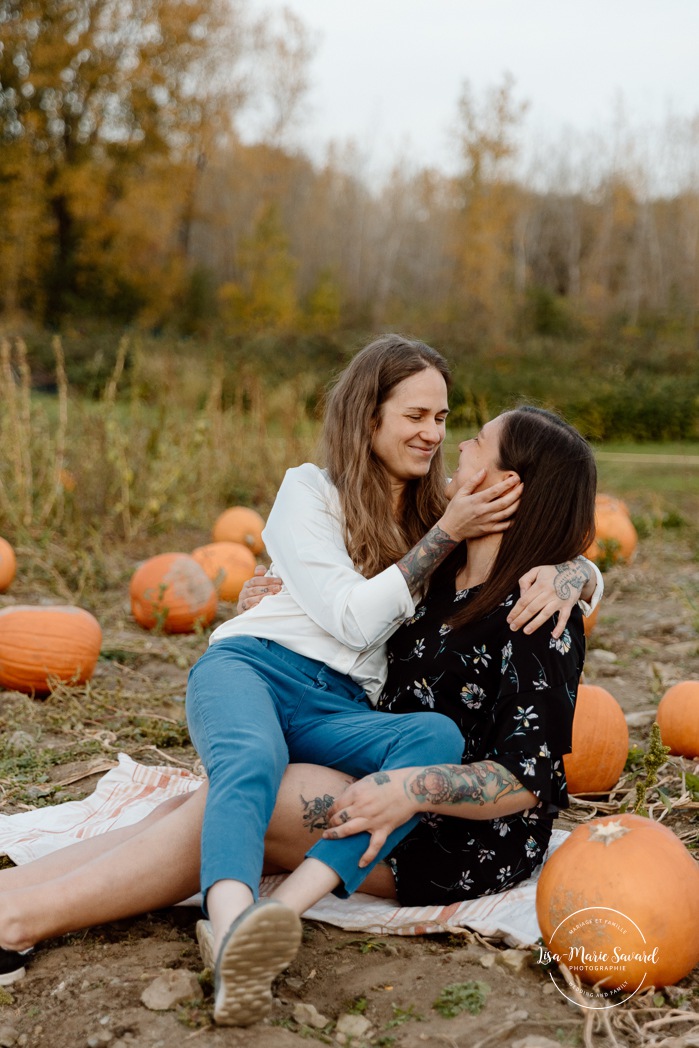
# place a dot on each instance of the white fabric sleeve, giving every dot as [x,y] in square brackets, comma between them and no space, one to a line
[303,537]
[589,607]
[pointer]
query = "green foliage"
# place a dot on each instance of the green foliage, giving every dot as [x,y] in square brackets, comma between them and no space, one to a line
[654,758]
[403,1015]
[365,945]
[356,1006]
[608,553]
[545,313]
[461,997]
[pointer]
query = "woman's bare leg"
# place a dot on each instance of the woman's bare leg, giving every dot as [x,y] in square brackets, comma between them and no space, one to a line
[73,856]
[248,954]
[299,818]
[155,863]
[155,867]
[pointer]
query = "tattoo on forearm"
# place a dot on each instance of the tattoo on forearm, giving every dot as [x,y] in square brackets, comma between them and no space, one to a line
[315,812]
[419,562]
[570,576]
[484,782]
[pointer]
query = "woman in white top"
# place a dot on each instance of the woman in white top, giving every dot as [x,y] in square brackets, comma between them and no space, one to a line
[382,492]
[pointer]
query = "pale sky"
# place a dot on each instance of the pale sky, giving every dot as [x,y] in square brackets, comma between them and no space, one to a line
[388,73]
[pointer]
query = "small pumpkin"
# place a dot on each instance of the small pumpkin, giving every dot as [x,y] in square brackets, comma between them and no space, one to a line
[590,621]
[228,564]
[678,718]
[616,538]
[8,564]
[173,592]
[600,742]
[41,643]
[240,524]
[641,872]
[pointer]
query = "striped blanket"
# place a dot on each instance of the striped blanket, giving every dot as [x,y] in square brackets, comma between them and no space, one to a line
[130,791]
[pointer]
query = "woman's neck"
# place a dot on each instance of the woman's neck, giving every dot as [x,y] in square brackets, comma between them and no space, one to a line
[480,559]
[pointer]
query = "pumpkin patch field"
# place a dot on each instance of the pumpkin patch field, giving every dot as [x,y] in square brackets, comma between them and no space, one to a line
[465,990]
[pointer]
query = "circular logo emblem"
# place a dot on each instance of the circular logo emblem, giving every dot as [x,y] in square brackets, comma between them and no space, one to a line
[607,950]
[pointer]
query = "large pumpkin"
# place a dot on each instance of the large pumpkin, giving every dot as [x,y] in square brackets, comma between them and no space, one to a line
[638,888]
[240,524]
[616,538]
[600,742]
[228,564]
[8,564]
[42,643]
[173,592]
[678,718]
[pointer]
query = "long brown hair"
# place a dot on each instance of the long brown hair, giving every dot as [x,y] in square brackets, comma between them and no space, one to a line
[555,520]
[374,537]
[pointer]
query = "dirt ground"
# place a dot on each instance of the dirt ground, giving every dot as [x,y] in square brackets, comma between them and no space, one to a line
[85,989]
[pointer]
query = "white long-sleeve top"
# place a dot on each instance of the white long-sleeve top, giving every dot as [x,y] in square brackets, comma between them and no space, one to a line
[326,610]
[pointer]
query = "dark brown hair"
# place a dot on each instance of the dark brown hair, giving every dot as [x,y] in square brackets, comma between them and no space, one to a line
[374,538]
[555,520]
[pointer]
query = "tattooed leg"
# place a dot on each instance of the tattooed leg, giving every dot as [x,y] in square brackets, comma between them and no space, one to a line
[315,812]
[300,814]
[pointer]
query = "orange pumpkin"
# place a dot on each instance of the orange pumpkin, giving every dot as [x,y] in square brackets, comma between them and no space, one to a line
[240,524]
[600,742]
[678,718]
[228,564]
[638,888]
[172,591]
[616,538]
[590,621]
[8,564]
[41,643]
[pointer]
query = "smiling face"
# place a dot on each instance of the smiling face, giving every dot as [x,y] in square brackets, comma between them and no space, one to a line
[481,452]
[412,425]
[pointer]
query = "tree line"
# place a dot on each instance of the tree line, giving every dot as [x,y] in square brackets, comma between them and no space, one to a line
[128,193]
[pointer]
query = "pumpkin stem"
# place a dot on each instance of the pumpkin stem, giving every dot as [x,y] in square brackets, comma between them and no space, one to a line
[653,759]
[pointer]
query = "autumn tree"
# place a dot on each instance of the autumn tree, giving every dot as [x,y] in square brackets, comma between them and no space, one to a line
[486,195]
[102,101]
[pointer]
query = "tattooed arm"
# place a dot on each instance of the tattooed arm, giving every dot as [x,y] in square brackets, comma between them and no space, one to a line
[555,589]
[482,790]
[381,802]
[470,513]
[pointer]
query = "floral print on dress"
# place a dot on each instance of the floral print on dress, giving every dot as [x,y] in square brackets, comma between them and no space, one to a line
[472,696]
[424,693]
[562,643]
[513,698]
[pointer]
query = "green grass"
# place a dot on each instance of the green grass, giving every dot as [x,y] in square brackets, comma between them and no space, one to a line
[655,488]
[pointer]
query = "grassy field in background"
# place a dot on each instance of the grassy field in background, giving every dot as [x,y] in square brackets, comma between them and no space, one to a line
[658,479]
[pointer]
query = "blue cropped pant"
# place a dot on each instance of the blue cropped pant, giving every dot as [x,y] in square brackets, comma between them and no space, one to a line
[253,707]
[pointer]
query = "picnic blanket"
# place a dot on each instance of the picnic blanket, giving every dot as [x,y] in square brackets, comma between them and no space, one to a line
[130,791]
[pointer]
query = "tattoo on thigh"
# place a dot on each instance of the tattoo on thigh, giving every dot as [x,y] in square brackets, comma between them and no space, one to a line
[315,812]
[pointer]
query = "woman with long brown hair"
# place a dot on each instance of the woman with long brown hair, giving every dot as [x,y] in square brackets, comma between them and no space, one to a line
[296,677]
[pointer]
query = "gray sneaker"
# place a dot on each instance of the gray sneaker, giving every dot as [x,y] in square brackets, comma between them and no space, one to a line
[205,938]
[258,946]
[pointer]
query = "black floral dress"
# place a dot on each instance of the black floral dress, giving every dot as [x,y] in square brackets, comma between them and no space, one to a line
[513,696]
